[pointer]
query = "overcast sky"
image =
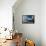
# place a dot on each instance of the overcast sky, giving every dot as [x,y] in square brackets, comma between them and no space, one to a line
[6,13]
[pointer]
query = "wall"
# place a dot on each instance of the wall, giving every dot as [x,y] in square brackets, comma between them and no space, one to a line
[43,22]
[30,31]
[6,13]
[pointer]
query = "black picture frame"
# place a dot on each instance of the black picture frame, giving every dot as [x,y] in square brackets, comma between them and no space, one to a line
[28,19]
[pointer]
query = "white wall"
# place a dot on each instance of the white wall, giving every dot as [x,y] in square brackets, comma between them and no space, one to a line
[31,31]
[43,22]
[6,13]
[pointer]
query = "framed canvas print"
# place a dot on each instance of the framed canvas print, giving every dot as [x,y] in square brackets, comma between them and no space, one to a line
[28,19]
